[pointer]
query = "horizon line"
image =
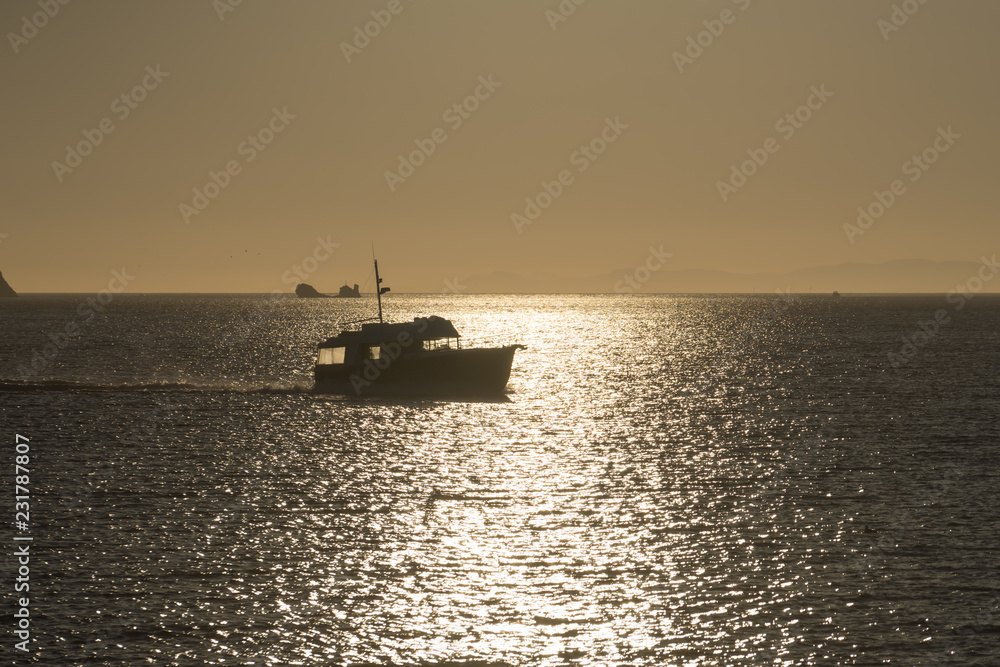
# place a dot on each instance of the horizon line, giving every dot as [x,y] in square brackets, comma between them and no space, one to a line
[372,294]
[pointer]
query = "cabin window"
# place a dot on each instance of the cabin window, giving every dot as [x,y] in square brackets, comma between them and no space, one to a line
[331,355]
[376,352]
[439,344]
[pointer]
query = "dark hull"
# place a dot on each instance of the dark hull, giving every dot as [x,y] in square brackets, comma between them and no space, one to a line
[475,372]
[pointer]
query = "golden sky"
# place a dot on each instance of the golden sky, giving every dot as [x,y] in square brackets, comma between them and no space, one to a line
[622,121]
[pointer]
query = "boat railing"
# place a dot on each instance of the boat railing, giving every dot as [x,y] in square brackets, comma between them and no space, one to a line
[499,340]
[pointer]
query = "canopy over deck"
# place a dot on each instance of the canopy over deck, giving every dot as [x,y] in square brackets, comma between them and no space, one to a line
[420,329]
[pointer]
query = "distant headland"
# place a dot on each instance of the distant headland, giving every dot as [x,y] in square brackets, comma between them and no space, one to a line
[5,289]
[305,291]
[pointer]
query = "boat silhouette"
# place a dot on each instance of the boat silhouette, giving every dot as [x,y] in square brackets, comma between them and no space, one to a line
[422,357]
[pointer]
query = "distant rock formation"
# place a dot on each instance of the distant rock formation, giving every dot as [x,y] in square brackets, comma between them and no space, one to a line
[5,289]
[349,292]
[308,292]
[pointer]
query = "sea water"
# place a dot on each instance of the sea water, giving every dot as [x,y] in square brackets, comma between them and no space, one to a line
[670,480]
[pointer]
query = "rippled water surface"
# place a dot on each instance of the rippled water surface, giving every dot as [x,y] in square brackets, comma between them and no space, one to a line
[669,481]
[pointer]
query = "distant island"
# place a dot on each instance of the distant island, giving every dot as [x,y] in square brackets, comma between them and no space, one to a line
[305,291]
[308,292]
[6,290]
[347,292]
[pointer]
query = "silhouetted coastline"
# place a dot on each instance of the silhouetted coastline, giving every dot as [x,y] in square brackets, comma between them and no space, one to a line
[6,291]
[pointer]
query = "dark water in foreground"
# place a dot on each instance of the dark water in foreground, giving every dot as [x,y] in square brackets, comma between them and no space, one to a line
[672,481]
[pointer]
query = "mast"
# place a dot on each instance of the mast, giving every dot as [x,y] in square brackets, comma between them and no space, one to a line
[379,291]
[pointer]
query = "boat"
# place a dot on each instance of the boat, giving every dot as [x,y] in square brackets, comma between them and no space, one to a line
[422,357]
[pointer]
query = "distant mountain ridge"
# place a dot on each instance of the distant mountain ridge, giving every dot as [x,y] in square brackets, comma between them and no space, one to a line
[897,276]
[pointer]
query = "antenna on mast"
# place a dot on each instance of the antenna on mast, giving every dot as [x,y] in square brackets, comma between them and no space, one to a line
[379,290]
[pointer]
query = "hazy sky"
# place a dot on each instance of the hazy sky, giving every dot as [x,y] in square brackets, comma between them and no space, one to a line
[673,127]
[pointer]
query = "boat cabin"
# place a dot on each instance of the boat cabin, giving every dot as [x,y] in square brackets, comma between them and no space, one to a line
[378,340]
